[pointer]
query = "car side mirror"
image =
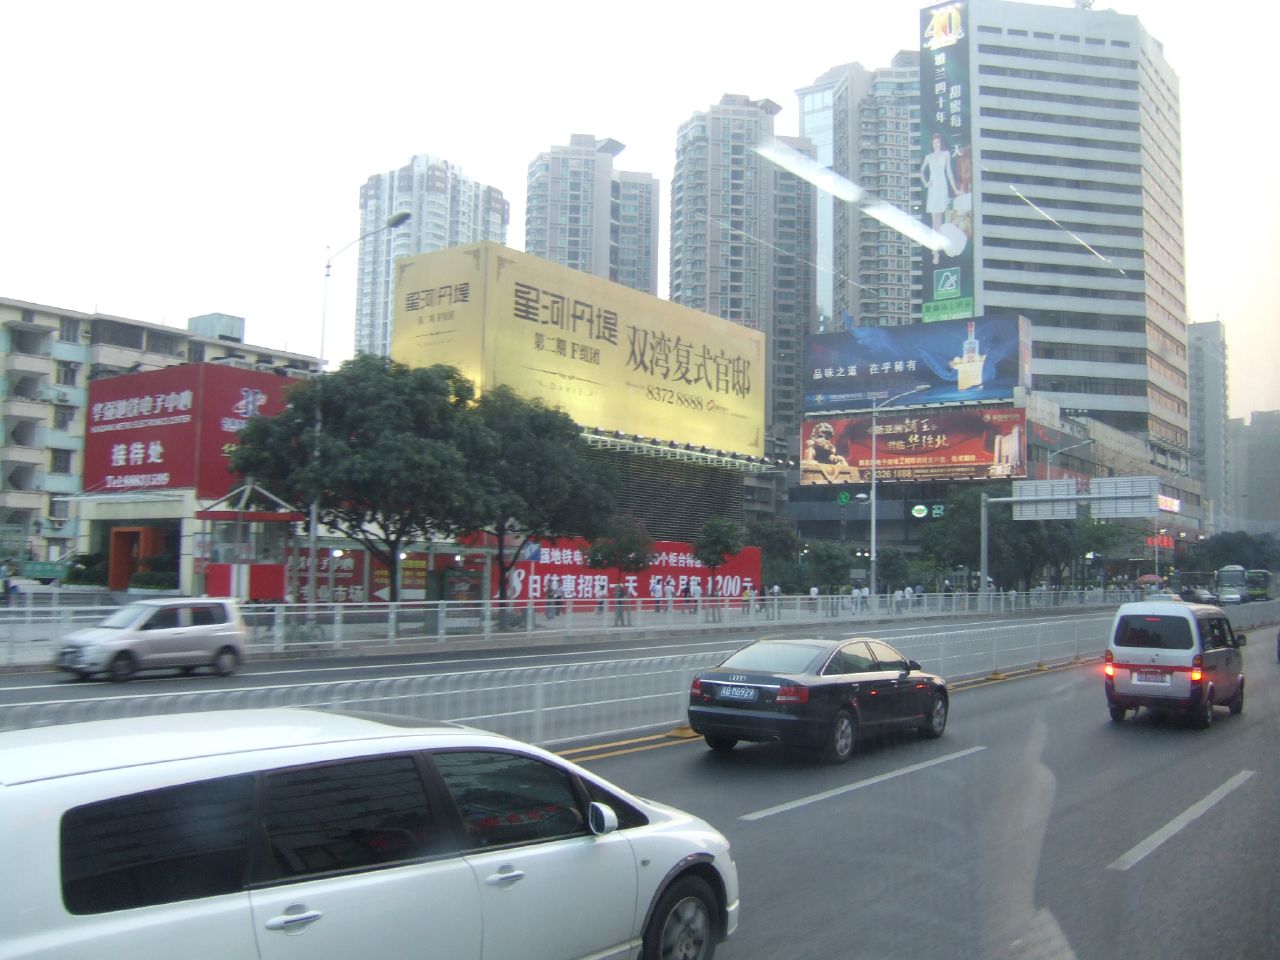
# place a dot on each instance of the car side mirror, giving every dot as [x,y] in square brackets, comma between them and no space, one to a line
[913,665]
[602,819]
[1240,639]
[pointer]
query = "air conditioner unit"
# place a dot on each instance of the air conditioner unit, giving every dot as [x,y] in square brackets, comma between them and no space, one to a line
[62,396]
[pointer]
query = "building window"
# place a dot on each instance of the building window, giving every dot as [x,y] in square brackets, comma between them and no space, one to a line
[68,329]
[60,461]
[59,509]
[67,373]
[63,416]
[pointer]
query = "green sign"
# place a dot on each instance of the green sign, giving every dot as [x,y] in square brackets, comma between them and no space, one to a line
[44,569]
[842,498]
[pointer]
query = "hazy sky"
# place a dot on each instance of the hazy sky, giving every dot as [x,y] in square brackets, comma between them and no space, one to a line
[164,160]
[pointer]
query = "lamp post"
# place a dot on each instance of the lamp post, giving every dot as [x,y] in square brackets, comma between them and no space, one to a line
[919,388]
[1159,533]
[1054,453]
[312,566]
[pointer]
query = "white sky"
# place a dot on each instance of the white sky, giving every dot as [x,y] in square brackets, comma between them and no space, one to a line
[164,160]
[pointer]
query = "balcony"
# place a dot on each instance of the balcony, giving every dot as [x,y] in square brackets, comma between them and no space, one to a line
[14,454]
[28,363]
[24,408]
[22,500]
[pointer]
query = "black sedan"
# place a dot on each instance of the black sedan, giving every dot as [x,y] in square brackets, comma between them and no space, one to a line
[815,693]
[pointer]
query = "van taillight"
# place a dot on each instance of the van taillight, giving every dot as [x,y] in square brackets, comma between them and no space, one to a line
[1109,664]
[1197,668]
[789,694]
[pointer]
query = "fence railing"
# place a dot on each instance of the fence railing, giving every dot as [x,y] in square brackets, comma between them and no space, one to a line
[30,635]
[555,704]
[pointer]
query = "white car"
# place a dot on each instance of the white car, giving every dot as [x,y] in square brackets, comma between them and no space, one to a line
[290,833]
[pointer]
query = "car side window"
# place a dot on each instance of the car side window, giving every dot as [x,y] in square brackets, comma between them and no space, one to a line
[851,658]
[207,614]
[165,618]
[506,798]
[888,658]
[353,815]
[160,846]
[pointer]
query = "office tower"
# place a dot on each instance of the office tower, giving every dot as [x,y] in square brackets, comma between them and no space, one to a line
[1254,451]
[1207,363]
[1050,141]
[446,209]
[584,214]
[742,238]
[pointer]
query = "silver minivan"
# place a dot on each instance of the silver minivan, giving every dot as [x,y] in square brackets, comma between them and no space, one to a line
[1173,657]
[181,633]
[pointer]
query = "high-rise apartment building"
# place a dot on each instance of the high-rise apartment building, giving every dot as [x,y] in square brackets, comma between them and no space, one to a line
[742,240]
[1207,371]
[446,209]
[1052,162]
[584,214]
[1254,449]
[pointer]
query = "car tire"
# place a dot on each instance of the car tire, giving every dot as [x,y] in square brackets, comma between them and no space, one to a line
[226,661]
[1236,706]
[1117,713]
[720,744]
[122,667]
[840,738]
[1202,716]
[683,924]
[935,720]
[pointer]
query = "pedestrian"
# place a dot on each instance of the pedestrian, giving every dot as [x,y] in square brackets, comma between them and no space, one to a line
[695,594]
[775,595]
[669,593]
[685,597]
[908,596]
[631,601]
[619,605]
[7,570]
[897,600]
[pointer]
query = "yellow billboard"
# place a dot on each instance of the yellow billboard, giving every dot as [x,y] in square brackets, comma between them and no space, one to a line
[608,356]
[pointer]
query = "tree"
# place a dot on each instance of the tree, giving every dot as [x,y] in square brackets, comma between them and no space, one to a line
[625,546]
[891,569]
[383,463]
[828,565]
[534,478]
[1016,549]
[779,546]
[718,540]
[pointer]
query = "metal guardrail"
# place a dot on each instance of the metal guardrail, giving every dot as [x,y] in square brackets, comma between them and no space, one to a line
[551,705]
[29,636]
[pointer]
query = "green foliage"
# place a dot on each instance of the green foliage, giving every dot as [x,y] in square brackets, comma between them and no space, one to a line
[155,580]
[164,563]
[827,565]
[88,569]
[532,476]
[625,546]
[891,569]
[1235,547]
[718,540]
[388,463]
[779,546]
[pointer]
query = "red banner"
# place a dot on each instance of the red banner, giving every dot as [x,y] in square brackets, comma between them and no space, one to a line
[945,444]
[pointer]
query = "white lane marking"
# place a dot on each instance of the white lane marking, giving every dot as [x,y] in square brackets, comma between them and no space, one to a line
[1196,810]
[850,787]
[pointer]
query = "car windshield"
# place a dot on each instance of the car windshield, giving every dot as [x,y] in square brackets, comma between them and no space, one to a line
[774,658]
[125,617]
[1151,632]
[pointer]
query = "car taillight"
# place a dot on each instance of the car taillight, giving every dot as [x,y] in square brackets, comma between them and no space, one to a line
[695,690]
[1109,665]
[789,694]
[1197,668]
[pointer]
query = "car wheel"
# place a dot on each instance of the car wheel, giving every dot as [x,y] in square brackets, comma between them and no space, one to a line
[1203,715]
[225,663]
[1117,713]
[122,667]
[720,744]
[1236,706]
[682,926]
[935,721]
[840,738]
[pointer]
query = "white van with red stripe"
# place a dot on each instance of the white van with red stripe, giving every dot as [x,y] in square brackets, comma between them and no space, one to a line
[1173,657]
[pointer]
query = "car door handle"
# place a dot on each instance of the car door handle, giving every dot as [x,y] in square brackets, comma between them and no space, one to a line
[290,921]
[505,876]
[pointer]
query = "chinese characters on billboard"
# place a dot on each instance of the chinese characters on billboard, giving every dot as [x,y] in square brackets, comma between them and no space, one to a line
[946,172]
[173,428]
[980,359]
[960,443]
[608,356]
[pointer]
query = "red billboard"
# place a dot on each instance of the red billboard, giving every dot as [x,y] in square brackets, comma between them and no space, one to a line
[173,428]
[957,443]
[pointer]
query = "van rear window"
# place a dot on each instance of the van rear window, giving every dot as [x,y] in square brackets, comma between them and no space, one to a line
[1154,633]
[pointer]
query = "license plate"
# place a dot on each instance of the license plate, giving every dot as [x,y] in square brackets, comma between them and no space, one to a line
[737,693]
[1151,676]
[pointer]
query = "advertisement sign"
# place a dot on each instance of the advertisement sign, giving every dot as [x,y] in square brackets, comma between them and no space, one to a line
[173,428]
[960,443]
[563,565]
[981,359]
[608,356]
[946,172]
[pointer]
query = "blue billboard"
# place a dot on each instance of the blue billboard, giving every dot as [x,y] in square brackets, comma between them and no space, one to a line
[981,359]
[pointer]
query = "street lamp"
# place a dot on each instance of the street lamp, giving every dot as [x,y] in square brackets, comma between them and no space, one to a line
[1159,533]
[1054,453]
[919,388]
[392,222]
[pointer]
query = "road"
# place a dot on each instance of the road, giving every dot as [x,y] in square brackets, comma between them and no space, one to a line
[1035,828]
